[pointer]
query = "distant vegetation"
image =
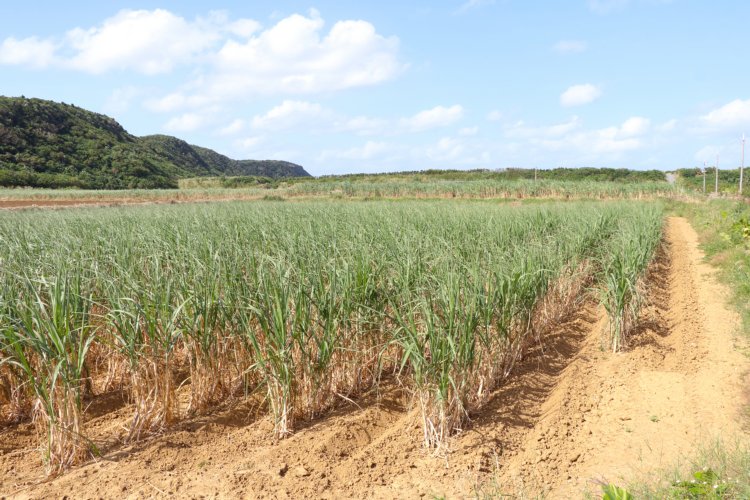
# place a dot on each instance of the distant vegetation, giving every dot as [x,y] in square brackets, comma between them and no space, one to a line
[556,174]
[506,183]
[53,145]
[242,181]
[729,180]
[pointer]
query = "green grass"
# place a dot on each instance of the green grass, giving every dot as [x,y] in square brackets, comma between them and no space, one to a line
[719,470]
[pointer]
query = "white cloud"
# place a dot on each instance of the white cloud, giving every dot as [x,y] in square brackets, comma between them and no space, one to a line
[635,126]
[235,127]
[186,122]
[249,143]
[296,56]
[570,136]
[446,149]
[570,46]
[520,130]
[290,114]
[439,116]
[733,114]
[494,116]
[578,95]
[363,125]
[244,27]
[148,42]
[232,59]
[667,126]
[32,51]
[605,141]
[468,131]
[368,151]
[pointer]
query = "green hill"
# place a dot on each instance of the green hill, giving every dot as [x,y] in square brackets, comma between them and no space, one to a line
[49,144]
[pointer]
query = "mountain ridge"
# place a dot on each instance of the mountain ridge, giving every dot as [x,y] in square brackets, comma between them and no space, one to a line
[49,144]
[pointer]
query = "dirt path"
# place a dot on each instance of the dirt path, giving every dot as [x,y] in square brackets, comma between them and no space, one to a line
[569,415]
[614,417]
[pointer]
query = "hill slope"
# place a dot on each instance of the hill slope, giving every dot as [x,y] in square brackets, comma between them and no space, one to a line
[49,144]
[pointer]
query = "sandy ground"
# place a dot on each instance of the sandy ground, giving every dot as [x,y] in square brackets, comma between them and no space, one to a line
[570,415]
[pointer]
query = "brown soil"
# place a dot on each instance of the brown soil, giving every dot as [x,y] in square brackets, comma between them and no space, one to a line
[570,415]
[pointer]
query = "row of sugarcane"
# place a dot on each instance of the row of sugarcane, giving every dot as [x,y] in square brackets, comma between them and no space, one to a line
[515,188]
[308,303]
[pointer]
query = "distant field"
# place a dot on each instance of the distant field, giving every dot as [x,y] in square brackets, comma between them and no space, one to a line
[372,187]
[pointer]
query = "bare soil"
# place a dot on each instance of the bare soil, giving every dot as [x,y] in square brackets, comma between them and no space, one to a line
[571,415]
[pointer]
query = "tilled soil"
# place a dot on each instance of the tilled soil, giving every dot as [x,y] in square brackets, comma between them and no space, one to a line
[571,415]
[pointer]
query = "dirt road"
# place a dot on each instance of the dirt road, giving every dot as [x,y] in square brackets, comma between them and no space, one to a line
[571,414]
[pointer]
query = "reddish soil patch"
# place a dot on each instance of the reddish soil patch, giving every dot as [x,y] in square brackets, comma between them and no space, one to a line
[570,415]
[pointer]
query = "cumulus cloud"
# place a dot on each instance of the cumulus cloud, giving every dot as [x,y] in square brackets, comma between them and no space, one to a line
[290,114]
[186,122]
[249,143]
[571,136]
[446,149]
[520,130]
[363,125]
[732,114]
[439,116]
[604,141]
[635,126]
[667,126]
[234,127]
[296,56]
[232,58]
[570,46]
[296,114]
[148,42]
[578,95]
[33,52]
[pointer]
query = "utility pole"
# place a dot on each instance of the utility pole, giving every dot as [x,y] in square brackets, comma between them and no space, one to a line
[742,165]
[704,177]
[534,174]
[716,187]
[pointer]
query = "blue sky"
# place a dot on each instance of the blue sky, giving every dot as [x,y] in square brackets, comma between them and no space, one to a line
[381,86]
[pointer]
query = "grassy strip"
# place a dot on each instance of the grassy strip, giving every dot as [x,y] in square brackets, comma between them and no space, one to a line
[719,470]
